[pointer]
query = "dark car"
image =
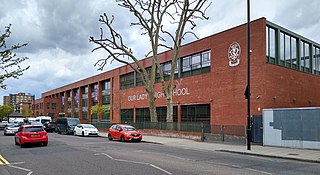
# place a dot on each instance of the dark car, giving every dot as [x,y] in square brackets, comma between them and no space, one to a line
[50,126]
[66,125]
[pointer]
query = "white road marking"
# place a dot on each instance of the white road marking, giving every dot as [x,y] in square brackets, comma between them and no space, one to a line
[136,162]
[167,172]
[20,168]
[258,171]
[17,163]
[236,166]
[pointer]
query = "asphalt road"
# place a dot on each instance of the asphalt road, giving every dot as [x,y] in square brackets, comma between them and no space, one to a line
[68,155]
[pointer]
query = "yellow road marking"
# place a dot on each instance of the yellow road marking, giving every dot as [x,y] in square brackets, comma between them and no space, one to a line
[3,161]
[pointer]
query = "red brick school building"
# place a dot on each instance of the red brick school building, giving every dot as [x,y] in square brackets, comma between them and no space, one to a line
[211,78]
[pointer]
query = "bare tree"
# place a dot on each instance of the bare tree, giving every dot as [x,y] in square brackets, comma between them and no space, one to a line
[151,16]
[9,63]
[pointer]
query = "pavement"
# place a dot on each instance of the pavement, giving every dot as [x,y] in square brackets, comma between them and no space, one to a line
[307,155]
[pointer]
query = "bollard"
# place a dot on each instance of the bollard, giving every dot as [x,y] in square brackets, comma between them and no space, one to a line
[202,132]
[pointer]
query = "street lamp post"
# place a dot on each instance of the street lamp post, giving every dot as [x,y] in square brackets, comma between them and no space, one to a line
[248,83]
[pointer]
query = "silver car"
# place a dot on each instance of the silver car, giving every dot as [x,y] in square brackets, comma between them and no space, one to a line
[11,129]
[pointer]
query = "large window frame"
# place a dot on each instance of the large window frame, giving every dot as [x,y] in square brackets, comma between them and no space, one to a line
[196,64]
[287,49]
[127,80]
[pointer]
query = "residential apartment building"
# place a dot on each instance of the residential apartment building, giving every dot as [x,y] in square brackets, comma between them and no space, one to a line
[19,101]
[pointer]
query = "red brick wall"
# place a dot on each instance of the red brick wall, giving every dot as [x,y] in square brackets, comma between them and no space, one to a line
[223,88]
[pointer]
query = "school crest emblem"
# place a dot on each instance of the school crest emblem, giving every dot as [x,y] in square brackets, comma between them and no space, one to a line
[234,54]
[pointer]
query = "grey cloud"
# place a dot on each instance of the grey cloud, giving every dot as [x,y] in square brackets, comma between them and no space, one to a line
[299,15]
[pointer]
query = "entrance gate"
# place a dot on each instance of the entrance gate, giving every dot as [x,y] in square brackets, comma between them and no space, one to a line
[257,129]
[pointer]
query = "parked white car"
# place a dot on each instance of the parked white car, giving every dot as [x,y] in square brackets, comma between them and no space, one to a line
[86,130]
[11,129]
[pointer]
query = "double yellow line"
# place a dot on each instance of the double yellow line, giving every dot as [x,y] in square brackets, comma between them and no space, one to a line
[3,161]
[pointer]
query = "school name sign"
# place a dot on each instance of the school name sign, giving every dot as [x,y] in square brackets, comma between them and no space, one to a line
[144,96]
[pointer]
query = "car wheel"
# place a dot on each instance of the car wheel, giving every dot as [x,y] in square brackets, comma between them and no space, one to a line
[15,142]
[21,145]
[74,133]
[82,134]
[122,139]
[58,131]
[109,137]
[45,143]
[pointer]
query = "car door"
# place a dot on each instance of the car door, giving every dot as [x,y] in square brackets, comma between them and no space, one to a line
[77,130]
[117,132]
[18,135]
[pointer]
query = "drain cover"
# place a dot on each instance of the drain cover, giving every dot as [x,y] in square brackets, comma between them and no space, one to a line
[293,154]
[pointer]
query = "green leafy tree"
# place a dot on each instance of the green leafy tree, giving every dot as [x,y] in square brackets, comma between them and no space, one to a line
[26,113]
[5,110]
[9,62]
[97,109]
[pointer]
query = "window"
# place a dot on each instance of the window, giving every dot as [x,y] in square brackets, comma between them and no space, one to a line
[54,106]
[84,102]
[48,105]
[106,116]
[162,114]
[294,52]
[84,90]
[287,49]
[139,76]
[196,64]
[282,48]
[84,115]
[106,99]
[166,69]
[142,115]
[127,80]
[196,113]
[94,94]
[271,44]
[304,56]
[127,116]
[106,85]
[316,60]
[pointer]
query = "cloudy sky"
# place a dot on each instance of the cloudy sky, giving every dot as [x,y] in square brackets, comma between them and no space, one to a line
[57,33]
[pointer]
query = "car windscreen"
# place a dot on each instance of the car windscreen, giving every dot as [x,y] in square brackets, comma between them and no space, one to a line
[44,121]
[88,126]
[73,122]
[129,128]
[33,129]
[13,125]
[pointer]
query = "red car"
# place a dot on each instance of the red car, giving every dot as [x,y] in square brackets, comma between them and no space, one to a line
[31,134]
[124,132]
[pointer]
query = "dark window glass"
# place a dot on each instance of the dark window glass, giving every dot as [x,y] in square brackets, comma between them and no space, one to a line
[33,129]
[127,80]
[84,115]
[142,115]
[127,116]
[196,113]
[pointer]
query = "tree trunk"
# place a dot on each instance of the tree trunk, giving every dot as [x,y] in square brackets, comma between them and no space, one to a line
[152,108]
[169,110]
